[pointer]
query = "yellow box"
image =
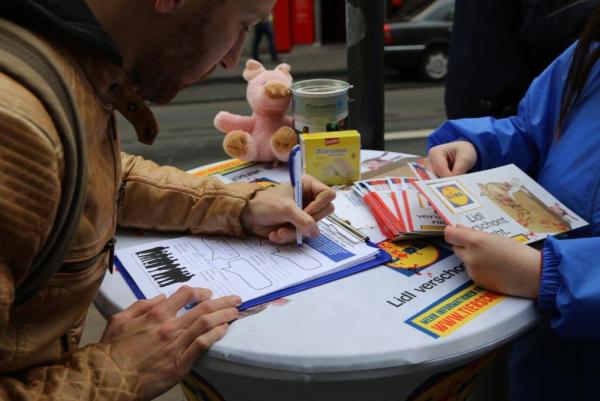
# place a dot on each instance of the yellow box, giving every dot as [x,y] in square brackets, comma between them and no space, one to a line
[332,157]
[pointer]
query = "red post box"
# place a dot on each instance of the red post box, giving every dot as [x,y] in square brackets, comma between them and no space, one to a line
[282,27]
[303,22]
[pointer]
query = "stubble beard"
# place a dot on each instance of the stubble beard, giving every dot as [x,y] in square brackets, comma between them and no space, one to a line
[162,69]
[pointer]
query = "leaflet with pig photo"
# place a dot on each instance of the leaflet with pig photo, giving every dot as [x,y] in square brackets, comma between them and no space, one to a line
[503,201]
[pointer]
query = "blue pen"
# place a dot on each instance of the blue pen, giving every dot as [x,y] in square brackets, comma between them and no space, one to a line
[295,166]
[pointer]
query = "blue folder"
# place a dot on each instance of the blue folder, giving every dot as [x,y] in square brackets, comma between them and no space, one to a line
[381,258]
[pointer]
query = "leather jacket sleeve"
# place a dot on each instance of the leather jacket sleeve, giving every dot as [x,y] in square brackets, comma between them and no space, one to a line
[168,199]
[30,185]
[31,169]
[89,373]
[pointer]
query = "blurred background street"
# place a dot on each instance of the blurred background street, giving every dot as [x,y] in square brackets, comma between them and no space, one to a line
[188,138]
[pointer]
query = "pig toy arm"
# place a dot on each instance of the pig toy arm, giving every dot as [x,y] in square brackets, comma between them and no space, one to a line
[227,122]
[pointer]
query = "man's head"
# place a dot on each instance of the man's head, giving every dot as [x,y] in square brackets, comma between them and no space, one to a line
[167,45]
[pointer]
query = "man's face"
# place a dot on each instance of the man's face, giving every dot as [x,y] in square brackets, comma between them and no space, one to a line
[192,41]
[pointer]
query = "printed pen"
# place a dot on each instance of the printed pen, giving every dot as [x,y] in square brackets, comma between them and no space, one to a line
[376,212]
[295,167]
[386,213]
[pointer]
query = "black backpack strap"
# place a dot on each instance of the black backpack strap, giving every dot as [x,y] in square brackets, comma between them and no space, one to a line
[27,60]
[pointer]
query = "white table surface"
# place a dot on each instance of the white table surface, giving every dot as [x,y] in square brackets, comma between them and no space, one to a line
[345,329]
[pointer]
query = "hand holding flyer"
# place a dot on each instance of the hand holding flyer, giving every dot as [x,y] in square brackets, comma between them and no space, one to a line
[503,201]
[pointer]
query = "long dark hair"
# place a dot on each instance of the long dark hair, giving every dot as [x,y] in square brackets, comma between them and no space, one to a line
[583,61]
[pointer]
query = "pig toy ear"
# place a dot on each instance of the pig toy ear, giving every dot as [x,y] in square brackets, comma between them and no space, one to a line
[285,68]
[253,69]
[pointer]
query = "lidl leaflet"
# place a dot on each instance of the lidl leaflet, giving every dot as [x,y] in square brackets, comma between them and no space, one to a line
[503,201]
[249,268]
[418,215]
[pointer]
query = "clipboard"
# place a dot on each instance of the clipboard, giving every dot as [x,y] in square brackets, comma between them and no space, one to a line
[381,257]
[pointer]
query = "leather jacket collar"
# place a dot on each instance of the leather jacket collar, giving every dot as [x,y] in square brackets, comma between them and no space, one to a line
[73,21]
[112,85]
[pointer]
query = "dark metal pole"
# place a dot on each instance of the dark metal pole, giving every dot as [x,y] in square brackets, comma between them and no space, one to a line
[364,39]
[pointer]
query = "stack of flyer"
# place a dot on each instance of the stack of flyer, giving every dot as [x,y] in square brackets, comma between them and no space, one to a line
[503,201]
[400,210]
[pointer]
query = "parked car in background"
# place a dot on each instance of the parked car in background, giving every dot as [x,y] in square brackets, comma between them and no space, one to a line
[420,42]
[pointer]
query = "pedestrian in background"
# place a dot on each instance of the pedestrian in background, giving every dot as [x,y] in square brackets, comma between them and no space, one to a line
[264,28]
[499,46]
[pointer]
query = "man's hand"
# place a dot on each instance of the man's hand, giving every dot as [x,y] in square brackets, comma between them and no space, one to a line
[162,346]
[497,263]
[454,158]
[273,214]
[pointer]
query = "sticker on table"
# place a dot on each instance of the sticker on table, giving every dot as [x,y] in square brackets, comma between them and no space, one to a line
[412,257]
[448,314]
[224,167]
[454,196]
[264,182]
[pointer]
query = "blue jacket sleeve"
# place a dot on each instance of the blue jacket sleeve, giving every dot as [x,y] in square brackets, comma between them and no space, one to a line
[522,139]
[569,286]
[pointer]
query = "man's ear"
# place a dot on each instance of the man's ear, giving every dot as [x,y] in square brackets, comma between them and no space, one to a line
[166,6]
[253,69]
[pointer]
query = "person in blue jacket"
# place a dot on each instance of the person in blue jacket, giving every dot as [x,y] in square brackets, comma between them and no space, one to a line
[555,138]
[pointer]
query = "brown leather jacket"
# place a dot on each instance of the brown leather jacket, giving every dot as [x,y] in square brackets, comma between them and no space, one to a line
[39,354]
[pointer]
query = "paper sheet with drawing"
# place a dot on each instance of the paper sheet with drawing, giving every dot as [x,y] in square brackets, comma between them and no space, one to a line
[249,268]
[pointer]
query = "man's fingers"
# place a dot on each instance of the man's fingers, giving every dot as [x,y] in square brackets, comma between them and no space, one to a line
[307,226]
[184,296]
[439,163]
[302,221]
[139,308]
[314,186]
[207,322]
[329,209]
[208,307]
[322,201]
[324,195]
[201,344]
[283,235]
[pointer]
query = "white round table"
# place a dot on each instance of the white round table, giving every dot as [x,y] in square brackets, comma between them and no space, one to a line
[353,339]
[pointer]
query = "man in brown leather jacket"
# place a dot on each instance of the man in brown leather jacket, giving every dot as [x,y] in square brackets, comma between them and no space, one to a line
[106,49]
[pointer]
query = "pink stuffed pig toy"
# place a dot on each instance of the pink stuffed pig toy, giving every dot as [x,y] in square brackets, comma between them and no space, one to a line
[267,134]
